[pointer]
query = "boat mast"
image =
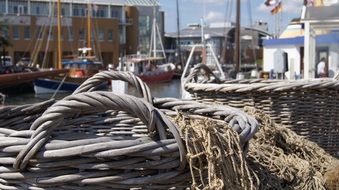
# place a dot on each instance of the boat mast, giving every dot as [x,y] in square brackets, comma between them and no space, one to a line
[237,39]
[155,34]
[178,37]
[89,12]
[59,34]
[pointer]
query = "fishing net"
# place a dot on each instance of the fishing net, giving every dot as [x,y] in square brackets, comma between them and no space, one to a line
[284,160]
[216,159]
[332,177]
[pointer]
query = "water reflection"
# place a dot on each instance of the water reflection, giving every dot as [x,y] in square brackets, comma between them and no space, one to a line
[170,89]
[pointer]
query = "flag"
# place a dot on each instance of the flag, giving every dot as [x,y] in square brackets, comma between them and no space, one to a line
[269,3]
[277,9]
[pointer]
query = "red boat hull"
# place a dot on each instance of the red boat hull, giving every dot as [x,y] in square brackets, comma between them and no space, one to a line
[158,77]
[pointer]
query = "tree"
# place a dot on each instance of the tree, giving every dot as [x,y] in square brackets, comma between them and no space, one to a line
[4,40]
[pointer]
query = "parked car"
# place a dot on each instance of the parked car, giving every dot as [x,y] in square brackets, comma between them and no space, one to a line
[25,61]
[6,60]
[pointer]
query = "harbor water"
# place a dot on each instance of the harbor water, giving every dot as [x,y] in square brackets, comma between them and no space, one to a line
[169,89]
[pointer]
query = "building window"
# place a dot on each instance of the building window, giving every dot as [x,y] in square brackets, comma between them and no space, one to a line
[116,12]
[100,11]
[17,7]
[64,10]
[27,32]
[16,32]
[2,6]
[50,35]
[39,33]
[79,10]
[110,35]
[101,36]
[39,8]
[81,34]
[70,33]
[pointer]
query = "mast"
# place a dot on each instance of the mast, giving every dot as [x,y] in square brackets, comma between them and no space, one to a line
[155,34]
[89,12]
[59,34]
[237,39]
[178,36]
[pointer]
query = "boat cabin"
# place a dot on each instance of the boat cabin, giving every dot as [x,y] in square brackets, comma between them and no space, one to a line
[84,66]
[143,64]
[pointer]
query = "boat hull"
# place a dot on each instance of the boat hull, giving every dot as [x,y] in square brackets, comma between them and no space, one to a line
[9,80]
[157,77]
[48,86]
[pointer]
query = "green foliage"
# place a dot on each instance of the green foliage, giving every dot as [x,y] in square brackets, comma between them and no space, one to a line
[4,40]
[259,62]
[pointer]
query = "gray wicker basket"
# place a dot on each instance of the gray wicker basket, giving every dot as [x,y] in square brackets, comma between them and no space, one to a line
[101,140]
[308,107]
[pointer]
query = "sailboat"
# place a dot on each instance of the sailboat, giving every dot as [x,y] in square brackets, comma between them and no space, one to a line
[83,66]
[151,68]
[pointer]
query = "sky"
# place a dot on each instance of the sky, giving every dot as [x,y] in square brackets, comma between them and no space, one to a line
[191,11]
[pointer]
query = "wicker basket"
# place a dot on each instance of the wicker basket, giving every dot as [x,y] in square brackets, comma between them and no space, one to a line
[308,107]
[101,140]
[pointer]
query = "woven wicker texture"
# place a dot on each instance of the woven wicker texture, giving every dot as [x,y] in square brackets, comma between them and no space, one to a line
[308,107]
[101,140]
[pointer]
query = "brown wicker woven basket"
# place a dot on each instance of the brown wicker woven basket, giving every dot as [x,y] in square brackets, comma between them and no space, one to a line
[101,140]
[308,107]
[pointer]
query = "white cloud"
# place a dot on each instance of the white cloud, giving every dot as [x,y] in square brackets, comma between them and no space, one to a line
[209,1]
[289,6]
[214,16]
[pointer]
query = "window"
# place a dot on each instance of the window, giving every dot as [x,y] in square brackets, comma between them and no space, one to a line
[79,10]
[101,36]
[2,6]
[39,8]
[17,7]
[70,33]
[39,33]
[50,35]
[16,32]
[100,11]
[110,35]
[27,32]
[116,12]
[81,34]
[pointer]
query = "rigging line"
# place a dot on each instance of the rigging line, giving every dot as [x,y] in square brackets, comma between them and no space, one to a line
[96,25]
[231,6]
[249,8]
[224,43]
[96,42]
[48,36]
[40,39]
[71,40]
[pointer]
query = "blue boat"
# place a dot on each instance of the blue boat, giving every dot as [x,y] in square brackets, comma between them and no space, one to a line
[79,70]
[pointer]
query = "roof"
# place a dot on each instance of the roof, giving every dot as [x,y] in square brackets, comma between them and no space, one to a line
[111,2]
[195,32]
[322,13]
[142,2]
[331,38]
